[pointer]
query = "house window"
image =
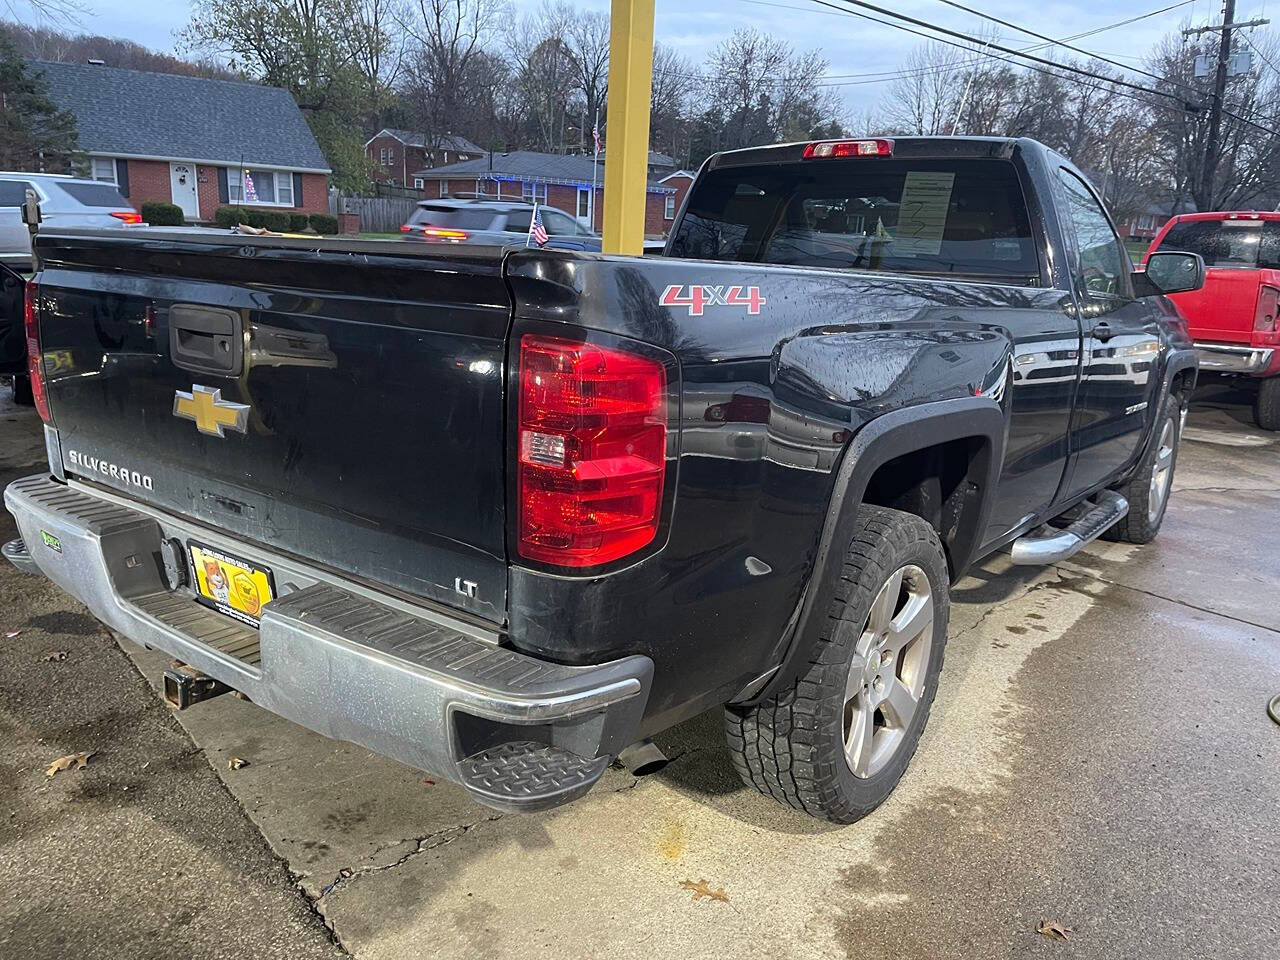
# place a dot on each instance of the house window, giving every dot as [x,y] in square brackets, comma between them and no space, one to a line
[103,168]
[669,207]
[531,191]
[270,187]
[417,183]
[386,156]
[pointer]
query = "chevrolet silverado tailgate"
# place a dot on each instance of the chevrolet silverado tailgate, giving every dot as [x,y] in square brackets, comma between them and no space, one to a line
[338,401]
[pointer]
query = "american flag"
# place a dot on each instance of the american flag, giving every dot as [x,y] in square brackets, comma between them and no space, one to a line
[595,135]
[537,232]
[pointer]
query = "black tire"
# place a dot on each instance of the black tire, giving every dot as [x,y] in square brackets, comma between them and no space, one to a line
[1266,408]
[1146,506]
[22,391]
[792,746]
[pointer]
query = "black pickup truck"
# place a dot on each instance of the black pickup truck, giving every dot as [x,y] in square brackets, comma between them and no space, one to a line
[502,514]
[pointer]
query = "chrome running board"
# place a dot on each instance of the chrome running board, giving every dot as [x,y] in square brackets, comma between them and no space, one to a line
[1050,545]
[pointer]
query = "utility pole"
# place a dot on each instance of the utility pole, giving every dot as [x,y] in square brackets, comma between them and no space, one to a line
[1203,187]
[1212,142]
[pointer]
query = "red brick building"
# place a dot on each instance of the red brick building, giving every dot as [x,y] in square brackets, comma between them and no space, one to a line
[396,154]
[680,182]
[555,179]
[191,141]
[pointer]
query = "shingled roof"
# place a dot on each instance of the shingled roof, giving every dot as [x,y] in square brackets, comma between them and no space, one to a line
[528,165]
[165,116]
[448,141]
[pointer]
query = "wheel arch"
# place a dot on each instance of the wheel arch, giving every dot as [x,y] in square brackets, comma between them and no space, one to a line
[977,422]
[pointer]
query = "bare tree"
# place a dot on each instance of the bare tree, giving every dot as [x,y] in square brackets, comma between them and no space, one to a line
[759,90]
[446,37]
[586,39]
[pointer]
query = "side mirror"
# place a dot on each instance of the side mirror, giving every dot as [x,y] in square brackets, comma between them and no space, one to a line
[1169,272]
[31,210]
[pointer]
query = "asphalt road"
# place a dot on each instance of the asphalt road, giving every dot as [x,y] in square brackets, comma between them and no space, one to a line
[1099,757]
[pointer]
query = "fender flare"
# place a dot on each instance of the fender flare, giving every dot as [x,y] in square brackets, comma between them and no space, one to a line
[885,438]
[1180,359]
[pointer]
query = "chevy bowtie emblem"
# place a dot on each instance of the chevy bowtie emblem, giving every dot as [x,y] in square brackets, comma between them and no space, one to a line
[212,414]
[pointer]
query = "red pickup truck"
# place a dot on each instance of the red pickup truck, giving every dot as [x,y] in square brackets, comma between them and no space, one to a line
[1232,318]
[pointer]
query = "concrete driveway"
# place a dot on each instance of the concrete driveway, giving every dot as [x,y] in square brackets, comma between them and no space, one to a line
[1099,757]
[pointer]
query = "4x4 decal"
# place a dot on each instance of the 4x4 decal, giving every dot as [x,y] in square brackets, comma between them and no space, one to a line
[700,297]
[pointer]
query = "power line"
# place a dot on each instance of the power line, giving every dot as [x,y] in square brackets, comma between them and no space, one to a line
[1068,68]
[987,46]
[884,76]
[1052,42]
[1258,50]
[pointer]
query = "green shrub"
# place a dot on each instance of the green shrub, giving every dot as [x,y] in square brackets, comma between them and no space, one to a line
[230,216]
[276,220]
[297,222]
[324,223]
[162,214]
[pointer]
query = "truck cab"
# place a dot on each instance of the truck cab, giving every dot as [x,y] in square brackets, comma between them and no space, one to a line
[1232,318]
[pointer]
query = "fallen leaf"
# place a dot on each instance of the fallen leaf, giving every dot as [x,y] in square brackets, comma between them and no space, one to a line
[10,634]
[56,657]
[64,763]
[235,763]
[701,889]
[1054,931]
[428,781]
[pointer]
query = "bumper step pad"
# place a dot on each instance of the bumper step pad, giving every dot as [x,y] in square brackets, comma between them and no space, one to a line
[523,776]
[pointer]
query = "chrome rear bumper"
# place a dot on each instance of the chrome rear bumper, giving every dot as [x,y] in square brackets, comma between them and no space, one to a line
[518,732]
[1222,358]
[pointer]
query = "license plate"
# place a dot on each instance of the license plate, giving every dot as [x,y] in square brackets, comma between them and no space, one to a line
[230,585]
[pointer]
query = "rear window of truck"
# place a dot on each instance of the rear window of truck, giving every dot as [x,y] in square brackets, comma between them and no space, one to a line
[1227,243]
[964,218]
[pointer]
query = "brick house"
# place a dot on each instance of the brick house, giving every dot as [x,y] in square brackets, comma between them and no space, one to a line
[396,153]
[192,141]
[551,178]
[680,181]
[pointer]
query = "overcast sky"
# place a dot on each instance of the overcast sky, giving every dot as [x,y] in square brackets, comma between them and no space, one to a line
[852,45]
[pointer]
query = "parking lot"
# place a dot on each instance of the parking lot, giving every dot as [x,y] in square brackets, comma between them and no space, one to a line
[1099,757]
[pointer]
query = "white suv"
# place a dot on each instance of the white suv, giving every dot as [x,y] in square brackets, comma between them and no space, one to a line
[64,202]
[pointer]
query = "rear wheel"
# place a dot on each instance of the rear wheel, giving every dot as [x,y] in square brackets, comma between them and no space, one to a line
[1266,409]
[1148,490]
[836,741]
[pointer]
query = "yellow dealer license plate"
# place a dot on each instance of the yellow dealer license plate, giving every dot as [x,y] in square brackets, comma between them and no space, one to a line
[230,585]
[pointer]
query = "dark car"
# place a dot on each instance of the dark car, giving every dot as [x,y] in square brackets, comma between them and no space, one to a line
[501,514]
[497,222]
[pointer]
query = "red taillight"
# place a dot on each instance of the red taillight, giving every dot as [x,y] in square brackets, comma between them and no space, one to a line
[822,149]
[1264,318]
[35,361]
[128,216]
[405,228]
[592,454]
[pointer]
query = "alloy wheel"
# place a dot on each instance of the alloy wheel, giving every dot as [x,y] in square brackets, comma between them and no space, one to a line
[887,674]
[1162,473]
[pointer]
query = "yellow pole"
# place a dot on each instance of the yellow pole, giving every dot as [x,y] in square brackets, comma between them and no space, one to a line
[626,164]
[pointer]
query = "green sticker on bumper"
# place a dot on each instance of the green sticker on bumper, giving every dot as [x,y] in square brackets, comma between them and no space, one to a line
[50,541]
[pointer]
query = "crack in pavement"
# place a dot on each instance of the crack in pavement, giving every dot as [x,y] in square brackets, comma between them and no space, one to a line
[430,841]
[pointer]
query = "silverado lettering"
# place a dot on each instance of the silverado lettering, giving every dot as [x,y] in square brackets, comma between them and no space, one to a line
[113,470]
[652,495]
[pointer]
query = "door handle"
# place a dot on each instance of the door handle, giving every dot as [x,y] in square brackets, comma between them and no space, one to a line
[206,339]
[1102,331]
